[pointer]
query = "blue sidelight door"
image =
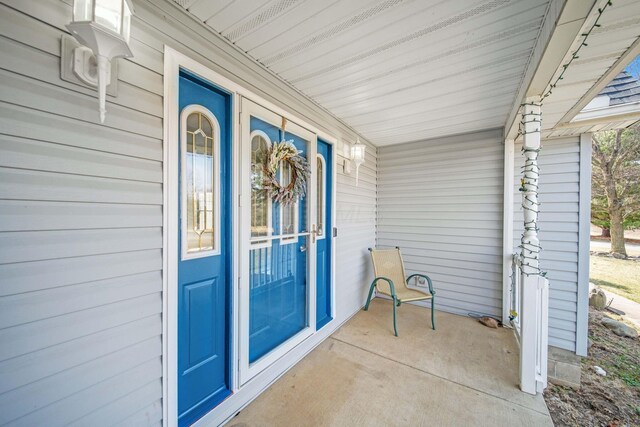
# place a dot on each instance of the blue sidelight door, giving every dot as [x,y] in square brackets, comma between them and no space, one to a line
[204,241]
[278,305]
[324,230]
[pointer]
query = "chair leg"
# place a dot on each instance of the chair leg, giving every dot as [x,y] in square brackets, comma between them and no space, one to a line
[366,306]
[433,318]
[395,329]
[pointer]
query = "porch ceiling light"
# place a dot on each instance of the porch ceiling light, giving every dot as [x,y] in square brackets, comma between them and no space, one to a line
[103,27]
[357,155]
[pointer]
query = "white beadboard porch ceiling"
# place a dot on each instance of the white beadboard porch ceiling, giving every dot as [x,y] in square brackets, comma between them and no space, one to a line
[394,70]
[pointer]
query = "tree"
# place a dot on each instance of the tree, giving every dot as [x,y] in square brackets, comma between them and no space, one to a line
[615,198]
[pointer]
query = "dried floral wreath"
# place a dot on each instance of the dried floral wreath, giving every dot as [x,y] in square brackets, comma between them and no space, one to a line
[286,152]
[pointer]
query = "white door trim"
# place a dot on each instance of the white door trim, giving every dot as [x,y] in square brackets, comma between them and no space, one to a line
[173,60]
[249,370]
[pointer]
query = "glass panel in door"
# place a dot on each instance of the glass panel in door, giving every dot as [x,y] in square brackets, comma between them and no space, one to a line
[278,282]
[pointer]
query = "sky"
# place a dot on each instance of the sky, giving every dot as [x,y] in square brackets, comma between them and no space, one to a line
[634,67]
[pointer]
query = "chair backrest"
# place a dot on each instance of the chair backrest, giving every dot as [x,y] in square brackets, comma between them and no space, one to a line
[388,263]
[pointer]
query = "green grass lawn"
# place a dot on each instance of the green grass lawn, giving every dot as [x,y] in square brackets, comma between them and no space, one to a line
[619,276]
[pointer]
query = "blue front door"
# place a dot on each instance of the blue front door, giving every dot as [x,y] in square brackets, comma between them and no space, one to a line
[324,230]
[278,253]
[204,264]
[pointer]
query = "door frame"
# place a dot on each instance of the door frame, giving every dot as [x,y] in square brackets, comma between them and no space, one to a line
[173,61]
[248,370]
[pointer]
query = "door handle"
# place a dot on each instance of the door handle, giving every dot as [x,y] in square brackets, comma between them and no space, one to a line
[314,231]
[303,248]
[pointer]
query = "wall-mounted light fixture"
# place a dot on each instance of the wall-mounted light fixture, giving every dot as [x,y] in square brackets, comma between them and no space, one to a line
[353,153]
[103,27]
[357,155]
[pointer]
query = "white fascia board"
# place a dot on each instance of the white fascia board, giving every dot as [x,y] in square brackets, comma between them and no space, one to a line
[630,111]
[561,26]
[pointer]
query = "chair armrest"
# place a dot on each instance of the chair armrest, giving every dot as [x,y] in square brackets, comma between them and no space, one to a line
[424,276]
[393,289]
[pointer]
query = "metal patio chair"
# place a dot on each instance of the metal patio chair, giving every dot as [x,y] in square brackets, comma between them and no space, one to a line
[391,280]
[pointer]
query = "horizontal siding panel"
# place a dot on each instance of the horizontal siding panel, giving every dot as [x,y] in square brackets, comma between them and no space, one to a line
[33,306]
[434,244]
[453,232]
[419,176]
[44,126]
[444,210]
[454,263]
[400,191]
[126,405]
[42,156]
[65,356]
[425,236]
[37,95]
[149,416]
[93,397]
[455,224]
[18,246]
[558,221]
[39,275]
[461,207]
[36,215]
[451,159]
[44,186]
[37,335]
[452,256]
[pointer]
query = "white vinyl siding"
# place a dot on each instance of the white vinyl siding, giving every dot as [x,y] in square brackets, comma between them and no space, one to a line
[559,162]
[81,217]
[440,201]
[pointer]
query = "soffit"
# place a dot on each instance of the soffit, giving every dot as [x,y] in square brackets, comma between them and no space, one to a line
[394,70]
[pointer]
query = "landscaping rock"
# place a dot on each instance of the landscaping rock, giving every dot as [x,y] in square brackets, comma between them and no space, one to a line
[619,328]
[600,371]
[598,299]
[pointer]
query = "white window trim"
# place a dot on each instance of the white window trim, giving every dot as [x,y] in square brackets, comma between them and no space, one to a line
[184,114]
[259,242]
[321,159]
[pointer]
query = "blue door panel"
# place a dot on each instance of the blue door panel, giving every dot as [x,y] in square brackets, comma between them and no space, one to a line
[278,273]
[200,300]
[204,284]
[324,246]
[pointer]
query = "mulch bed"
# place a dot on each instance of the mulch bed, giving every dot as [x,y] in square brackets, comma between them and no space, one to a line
[611,401]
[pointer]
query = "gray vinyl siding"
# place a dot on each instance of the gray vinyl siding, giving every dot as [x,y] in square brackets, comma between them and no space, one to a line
[440,201]
[81,217]
[559,162]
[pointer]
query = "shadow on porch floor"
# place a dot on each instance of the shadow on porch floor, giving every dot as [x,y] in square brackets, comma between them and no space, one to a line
[460,374]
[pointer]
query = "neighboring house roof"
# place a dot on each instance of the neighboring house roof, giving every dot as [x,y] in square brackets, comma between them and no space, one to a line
[623,89]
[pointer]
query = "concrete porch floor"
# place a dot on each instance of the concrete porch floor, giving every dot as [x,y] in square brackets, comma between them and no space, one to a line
[461,374]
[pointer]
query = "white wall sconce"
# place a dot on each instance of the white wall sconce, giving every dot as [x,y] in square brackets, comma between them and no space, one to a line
[103,28]
[353,153]
[357,155]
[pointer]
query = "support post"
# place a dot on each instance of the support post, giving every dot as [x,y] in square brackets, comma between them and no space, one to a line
[535,288]
[507,227]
